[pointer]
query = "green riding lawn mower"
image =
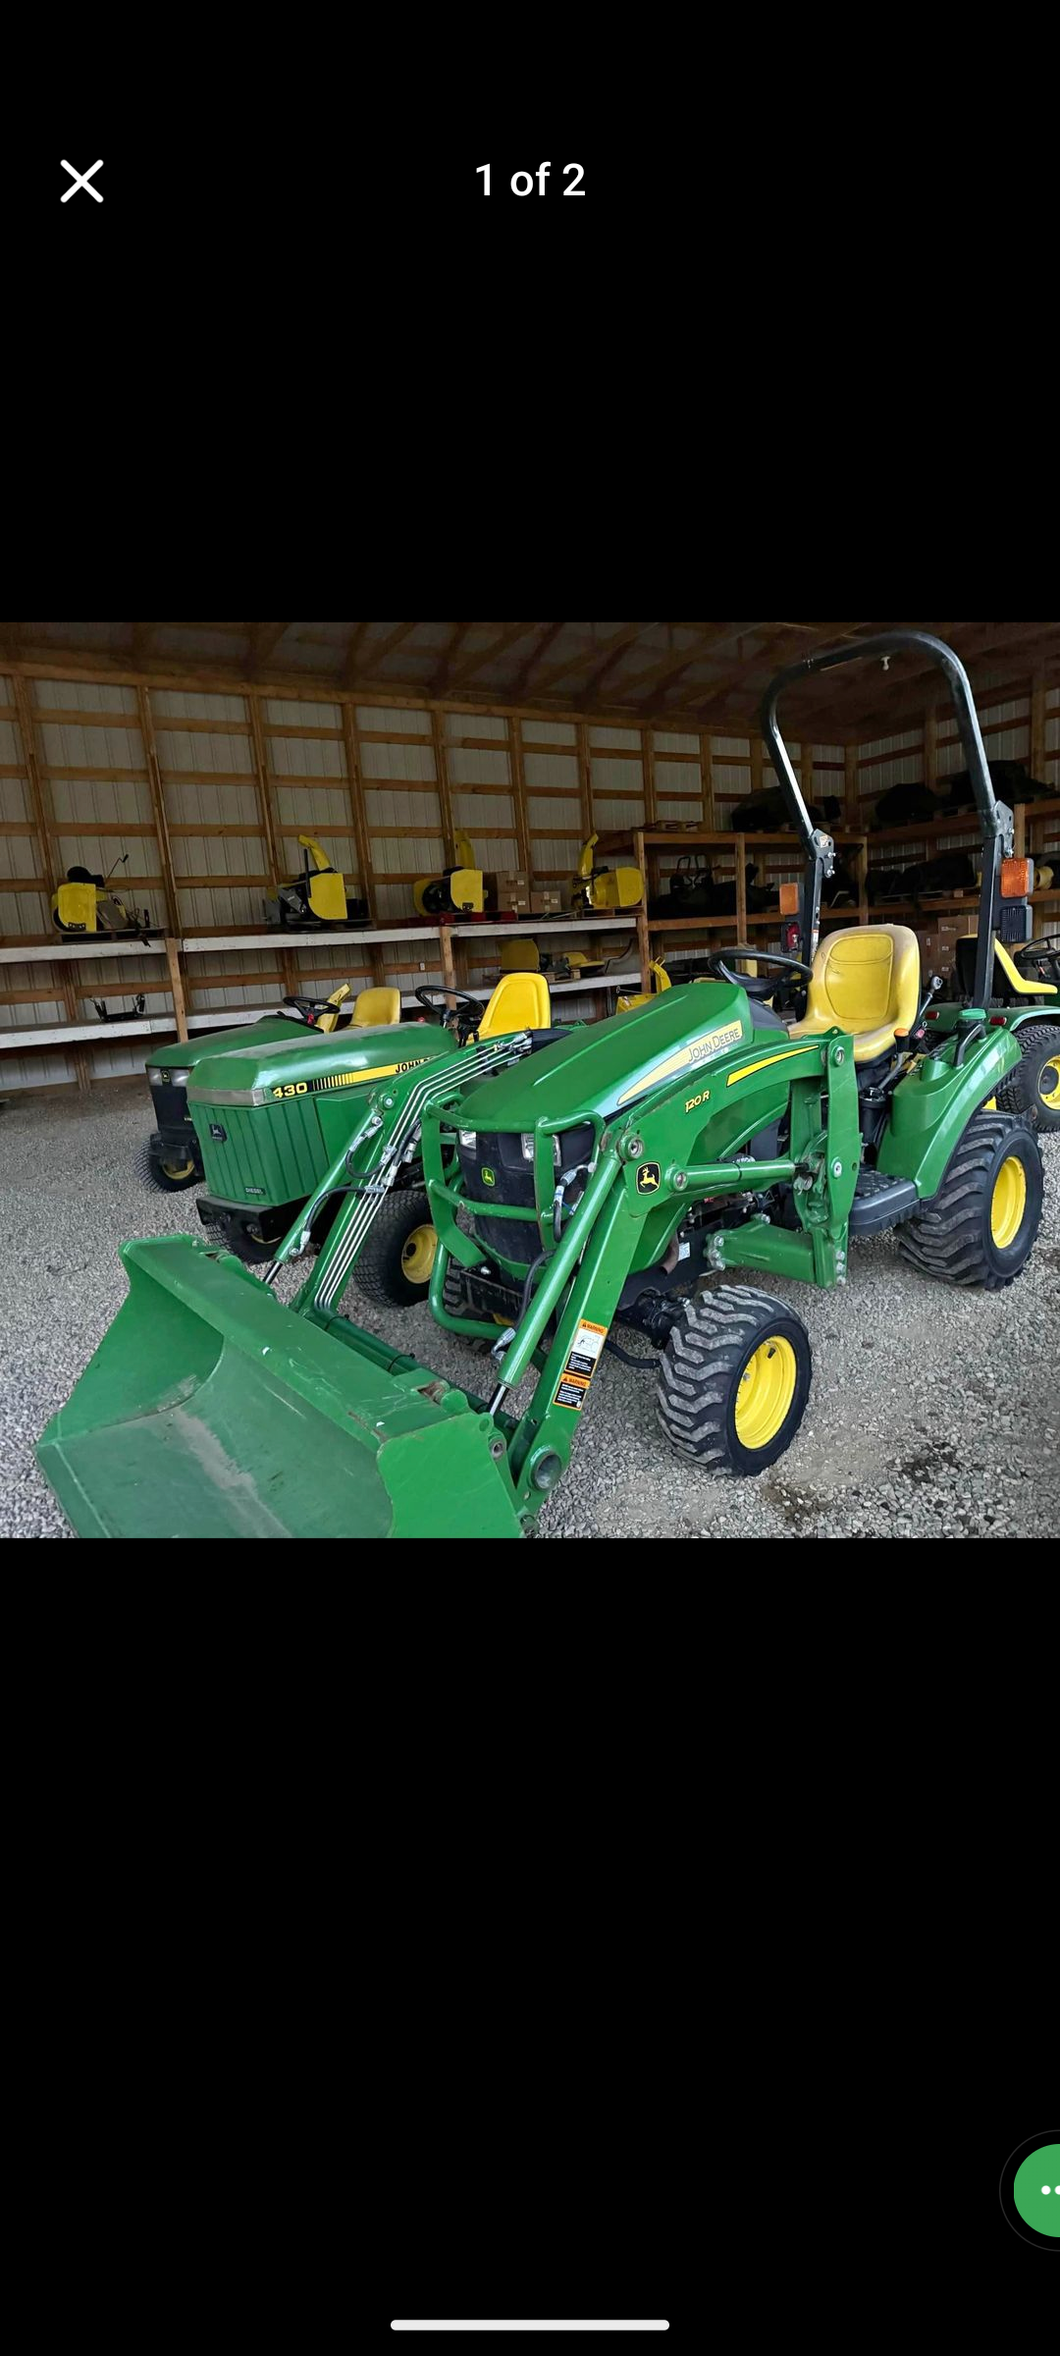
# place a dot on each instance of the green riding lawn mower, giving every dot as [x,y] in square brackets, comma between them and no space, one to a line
[600,1181]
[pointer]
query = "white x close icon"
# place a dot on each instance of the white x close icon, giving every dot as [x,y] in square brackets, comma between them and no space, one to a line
[81,180]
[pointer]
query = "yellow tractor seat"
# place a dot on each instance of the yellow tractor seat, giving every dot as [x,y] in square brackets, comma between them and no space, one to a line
[520,1002]
[377,1006]
[866,980]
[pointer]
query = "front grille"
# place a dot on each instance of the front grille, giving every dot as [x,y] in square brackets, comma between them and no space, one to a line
[171,1108]
[267,1154]
[513,1182]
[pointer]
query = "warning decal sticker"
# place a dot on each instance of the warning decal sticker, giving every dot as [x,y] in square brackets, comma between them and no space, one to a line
[583,1357]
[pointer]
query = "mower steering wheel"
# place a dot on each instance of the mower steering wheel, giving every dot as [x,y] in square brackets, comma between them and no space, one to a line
[757,986]
[308,1006]
[468,1011]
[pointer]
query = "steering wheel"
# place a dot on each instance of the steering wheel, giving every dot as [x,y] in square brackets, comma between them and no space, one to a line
[468,1011]
[310,1006]
[756,985]
[1047,946]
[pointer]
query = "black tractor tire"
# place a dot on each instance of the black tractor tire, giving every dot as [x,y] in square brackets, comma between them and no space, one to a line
[393,1266]
[979,1229]
[170,1176]
[724,1341]
[246,1241]
[1035,1078]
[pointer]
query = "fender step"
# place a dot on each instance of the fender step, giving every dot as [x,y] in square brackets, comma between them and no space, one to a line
[880,1201]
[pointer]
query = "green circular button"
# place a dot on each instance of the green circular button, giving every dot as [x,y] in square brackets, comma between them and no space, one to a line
[1036,2190]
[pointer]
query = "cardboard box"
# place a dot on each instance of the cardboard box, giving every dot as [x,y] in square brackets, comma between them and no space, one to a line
[546,900]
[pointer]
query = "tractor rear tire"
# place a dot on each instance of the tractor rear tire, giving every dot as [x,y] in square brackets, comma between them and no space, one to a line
[172,1176]
[734,1380]
[393,1266]
[979,1229]
[1032,1087]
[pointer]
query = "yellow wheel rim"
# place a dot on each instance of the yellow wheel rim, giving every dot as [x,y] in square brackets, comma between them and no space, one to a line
[178,1169]
[1008,1202]
[1049,1086]
[417,1254]
[767,1388]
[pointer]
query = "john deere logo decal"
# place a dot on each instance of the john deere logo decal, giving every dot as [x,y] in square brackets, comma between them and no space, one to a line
[648,1178]
[489,1177]
[217,1131]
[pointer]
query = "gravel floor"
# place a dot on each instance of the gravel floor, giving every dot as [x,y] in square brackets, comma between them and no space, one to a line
[934,1413]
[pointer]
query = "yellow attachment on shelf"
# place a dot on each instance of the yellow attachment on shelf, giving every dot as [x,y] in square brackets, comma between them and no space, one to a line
[617,887]
[74,907]
[467,889]
[327,897]
[628,999]
[520,957]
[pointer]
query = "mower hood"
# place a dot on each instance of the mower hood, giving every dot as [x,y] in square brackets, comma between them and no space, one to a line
[312,1062]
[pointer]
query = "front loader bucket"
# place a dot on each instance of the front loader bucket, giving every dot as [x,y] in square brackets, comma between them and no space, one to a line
[211,1411]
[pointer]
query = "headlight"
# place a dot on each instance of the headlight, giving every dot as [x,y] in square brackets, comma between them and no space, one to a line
[466,1136]
[177,1078]
[527,1143]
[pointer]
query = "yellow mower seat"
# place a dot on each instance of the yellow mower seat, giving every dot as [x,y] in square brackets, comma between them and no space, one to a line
[520,1002]
[866,980]
[377,1006]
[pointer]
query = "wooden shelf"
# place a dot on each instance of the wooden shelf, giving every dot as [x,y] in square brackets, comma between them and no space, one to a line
[73,1034]
[62,951]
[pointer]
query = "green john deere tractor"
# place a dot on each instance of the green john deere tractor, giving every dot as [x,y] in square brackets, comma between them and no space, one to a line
[274,1122]
[1020,991]
[595,1183]
[172,1159]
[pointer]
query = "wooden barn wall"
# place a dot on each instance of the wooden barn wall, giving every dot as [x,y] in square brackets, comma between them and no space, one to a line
[204,795]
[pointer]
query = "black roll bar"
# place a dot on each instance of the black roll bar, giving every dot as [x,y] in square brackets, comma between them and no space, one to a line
[995,818]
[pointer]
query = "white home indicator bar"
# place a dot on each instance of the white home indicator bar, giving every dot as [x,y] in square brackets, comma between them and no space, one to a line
[529,2327]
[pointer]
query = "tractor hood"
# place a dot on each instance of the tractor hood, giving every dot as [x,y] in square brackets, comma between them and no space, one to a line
[607,1067]
[313,1062]
[185,1053]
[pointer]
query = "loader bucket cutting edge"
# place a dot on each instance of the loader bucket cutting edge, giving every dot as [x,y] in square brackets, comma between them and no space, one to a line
[211,1410]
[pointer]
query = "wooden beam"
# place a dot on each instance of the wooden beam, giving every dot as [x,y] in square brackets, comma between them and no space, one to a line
[353,652]
[380,648]
[158,804]
[1038,754]
[442,674]
[647,770]
[143,632]
[552,632]
[355,786]
[679,659]
[511,633]
[265,638]
[518,777]
[48,847]
[592,655]
[442,787]
[706,771]
[615,647]
[585,779]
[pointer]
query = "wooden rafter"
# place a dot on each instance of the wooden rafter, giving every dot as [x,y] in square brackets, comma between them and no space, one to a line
[536,655]
[264,639]
[711,640]
[353,652]
[511,632]
[605,660]
[143,632]
[1011,650]
[588,656]
[442,675]
[378,652]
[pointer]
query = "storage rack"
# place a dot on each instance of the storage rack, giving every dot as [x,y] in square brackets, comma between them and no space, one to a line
[453,942]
